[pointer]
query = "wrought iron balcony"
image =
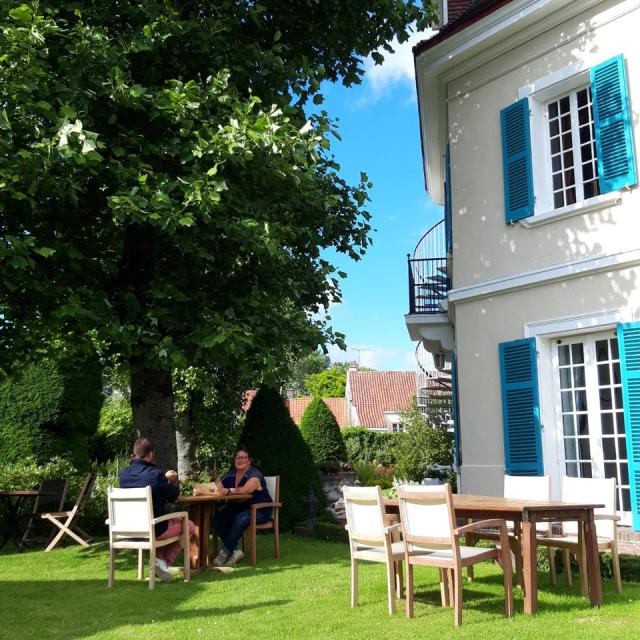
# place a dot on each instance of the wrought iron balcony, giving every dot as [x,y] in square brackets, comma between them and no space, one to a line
[429,280]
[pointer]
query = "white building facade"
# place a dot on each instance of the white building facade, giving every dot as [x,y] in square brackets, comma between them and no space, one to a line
[530,113]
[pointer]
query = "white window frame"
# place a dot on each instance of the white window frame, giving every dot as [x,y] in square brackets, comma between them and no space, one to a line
[539,93]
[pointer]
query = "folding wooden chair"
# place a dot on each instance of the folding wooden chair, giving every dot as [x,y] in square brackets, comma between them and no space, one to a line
[132,526]
[52,495]
[66,520]
[273,487]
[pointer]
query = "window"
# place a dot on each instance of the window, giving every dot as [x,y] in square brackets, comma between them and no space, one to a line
[572,148]
[567,142]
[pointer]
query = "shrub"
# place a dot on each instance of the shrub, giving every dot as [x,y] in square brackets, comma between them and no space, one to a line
[370,475]
[365,445]
[421,446]
[321,432]
[114,437]
[278,448]
[52,409]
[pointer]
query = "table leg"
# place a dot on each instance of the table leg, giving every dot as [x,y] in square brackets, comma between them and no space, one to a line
[530,572]
[204,535]
[593,559]
[195,514]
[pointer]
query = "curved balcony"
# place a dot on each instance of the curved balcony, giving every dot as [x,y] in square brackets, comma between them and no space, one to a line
[429,280]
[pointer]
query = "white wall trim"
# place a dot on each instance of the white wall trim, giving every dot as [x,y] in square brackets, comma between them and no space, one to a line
[596,203]
[551,273]
[576,324]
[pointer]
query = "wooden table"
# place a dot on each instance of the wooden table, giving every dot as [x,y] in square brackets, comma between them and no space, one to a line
[14,502]
[525,514]
[202,508]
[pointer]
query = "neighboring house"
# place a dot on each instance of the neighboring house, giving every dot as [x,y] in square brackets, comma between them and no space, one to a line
[529,110]
[297,407]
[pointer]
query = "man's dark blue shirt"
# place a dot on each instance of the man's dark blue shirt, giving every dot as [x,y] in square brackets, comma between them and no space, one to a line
[141,473]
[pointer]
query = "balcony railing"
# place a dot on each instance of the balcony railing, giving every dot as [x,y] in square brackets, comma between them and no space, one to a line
[429,281]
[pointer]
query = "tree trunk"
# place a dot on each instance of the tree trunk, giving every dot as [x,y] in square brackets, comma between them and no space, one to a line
[185,442]
[153,410]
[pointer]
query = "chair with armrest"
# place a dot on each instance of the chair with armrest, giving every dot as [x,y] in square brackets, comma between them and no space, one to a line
[66,521]
[273,487]
[431,538]
[371,539]
[132,526]
[52,495]
[587,490]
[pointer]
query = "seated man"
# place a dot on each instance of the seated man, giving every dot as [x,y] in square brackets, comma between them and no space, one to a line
[164,488]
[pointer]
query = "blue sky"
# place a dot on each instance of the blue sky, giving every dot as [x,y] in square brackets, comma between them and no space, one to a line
[378,123]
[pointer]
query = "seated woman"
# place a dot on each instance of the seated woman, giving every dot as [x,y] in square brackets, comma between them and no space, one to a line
[230,522]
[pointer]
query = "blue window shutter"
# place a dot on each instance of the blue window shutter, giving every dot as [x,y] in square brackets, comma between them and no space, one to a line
[516,161]
[520,408]
[447,200]
[455,414]
[611,114]
[629,347]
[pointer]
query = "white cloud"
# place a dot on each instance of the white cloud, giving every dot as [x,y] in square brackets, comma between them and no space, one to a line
[397,68]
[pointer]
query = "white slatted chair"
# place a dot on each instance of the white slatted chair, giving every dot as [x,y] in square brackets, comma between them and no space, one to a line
[587,490]
[131,526]
[431,538]
[371,539]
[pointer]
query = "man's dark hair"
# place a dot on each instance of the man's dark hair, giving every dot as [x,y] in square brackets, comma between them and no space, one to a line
[142,447]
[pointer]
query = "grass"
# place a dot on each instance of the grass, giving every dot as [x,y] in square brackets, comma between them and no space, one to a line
[305,595]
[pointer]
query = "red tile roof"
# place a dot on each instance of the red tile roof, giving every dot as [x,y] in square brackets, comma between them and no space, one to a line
[374,392]
[338,406]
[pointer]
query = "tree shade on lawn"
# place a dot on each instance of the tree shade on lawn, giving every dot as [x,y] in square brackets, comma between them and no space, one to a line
[162,190]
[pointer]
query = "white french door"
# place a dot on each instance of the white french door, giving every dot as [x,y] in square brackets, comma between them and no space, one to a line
[589,411]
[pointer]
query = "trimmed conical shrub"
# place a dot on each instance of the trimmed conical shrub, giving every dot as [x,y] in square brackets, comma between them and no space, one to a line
[321,432]
[277,447]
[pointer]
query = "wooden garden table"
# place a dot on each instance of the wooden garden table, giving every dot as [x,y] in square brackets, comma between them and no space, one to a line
[525,514]
[202,508]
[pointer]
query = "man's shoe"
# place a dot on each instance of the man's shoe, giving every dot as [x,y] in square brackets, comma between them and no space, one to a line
[221,558]
[162,571]
[236,556]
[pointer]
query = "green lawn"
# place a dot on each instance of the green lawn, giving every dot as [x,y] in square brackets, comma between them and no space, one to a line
[304,595]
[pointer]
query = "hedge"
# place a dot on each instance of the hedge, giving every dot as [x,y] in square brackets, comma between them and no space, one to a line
[321,432]
[368,446]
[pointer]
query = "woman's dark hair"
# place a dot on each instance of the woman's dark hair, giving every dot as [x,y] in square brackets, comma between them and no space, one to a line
[238,449]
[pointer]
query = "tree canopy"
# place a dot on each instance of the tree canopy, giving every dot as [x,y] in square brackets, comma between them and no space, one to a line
[162,189]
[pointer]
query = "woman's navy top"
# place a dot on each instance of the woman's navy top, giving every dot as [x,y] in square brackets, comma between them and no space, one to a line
[259,495]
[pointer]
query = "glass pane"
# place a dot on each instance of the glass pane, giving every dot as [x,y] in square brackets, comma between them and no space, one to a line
[624,473]
[585,134]
[567,401]
[577,353]
[557,181]
[554,128]
[563,354]
[585,470]
[570,451]
[571,196]
[586,156]
[609,449]
[626,500]
[581,400]
[556,164]
[581,97]
[620,421]
[605,399]
[558,200]
[622,447]
[587,171]
[567,425]
[616,373]
[602,350]
[603,375]
[583,117]
[617,395]
[566,122]
[553,110]
[564,104]
[590,190]
[606,420]
[583,424]
[611,470]
[569,178]
[578,377]
[584,448]
[572,469]
[555,146]
[614,349]
[565,378]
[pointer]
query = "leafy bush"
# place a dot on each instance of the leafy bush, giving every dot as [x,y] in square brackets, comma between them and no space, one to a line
[114,437]
[330,383]
[278,448]
[370,475]
[421,446]
[366,445]
[321,432]
[51,409]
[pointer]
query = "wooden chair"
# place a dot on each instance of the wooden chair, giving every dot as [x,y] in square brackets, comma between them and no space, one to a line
[131,526]
[370,539]
[273,487]
[52,495]
[66,521]
[594,490]
[431,538]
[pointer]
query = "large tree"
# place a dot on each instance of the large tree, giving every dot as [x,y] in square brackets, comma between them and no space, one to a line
[162,189]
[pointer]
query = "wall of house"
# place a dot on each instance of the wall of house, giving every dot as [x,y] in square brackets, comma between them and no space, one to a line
[485,247]
[482,324]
